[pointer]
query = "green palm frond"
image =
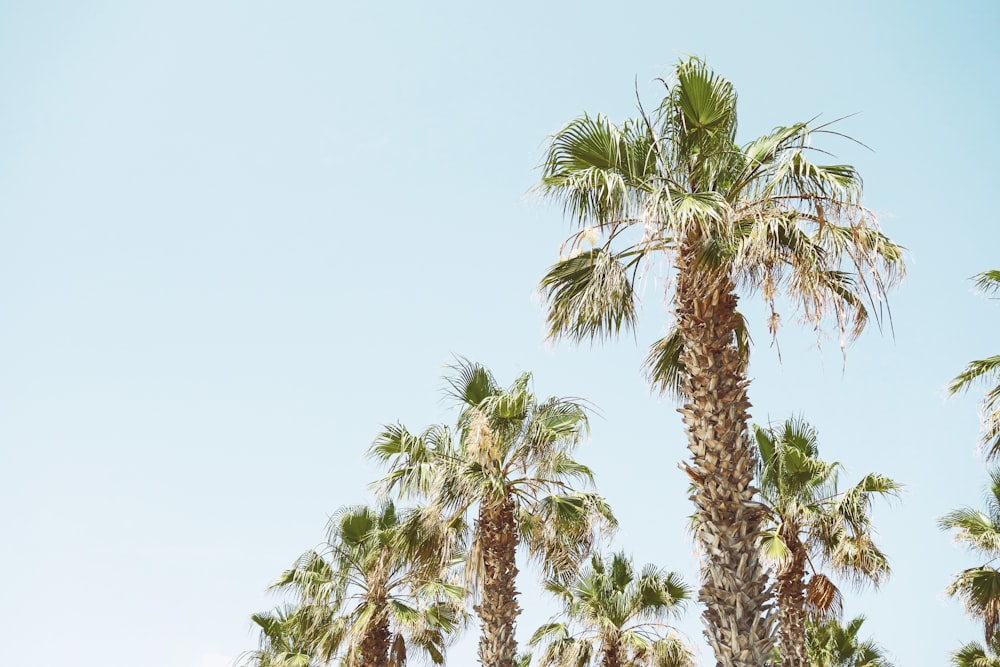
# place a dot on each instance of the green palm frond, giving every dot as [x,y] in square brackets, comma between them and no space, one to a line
[984,372]
[561,528]
[589,296]
[974,529]
[859,560]
[671,652]
[980,371]
[979,590]
[593,166]
[773,549]
[988,282]
[831,644]
[975,654]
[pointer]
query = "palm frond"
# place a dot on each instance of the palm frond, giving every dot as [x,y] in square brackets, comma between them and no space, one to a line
[974,654]
[979,371]
[589,296]
[594,166]
[979,590]
[823,599]
[987,282]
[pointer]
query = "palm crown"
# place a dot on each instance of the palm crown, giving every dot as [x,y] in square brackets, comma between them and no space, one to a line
[509,459]
[283,641]
[985,371]
[810,522]
[979,587]
[379,588]
[834,645]
[614,616]
[676,182]
[975,654]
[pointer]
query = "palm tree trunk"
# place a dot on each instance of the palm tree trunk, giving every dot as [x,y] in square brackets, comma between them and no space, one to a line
[611,651]
[734,587]
[791,610]
[375,644]
[498,609]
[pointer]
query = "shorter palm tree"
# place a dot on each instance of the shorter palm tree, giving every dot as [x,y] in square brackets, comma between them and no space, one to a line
[985,371]
[979,587]
[282,640]
[379,589]
[613,616]
[509,464]
[831,644]
[810,523]
[975,654]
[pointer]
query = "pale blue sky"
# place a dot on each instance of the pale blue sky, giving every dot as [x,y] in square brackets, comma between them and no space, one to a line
[237,237]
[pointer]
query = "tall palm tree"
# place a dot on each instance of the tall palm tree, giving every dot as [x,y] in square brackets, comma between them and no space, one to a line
[979,587]
[379,589]
[510,462]
[810,523]
[613,616]
[673,185]
[985,372]
[975,654]
[834,645]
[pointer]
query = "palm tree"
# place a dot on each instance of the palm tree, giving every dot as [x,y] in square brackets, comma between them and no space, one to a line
[510,462]
[282,641]
[831,644]
[975,654]
[613,616]
[979,587]
[985,371]
[379,589]
[809,522]
[674,185]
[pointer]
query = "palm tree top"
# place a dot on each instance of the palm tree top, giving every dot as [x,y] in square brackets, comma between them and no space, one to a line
[614,613]
[978,530]
[379,588]
[832,644]
[984,372]
[979,587]
[975,654]
[769,214]
[806,506]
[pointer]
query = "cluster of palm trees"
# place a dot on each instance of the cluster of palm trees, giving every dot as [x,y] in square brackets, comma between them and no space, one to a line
[979,587]
[391,583]
[670,188]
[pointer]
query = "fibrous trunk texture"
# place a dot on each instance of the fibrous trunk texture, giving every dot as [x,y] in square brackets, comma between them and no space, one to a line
[375,645]
[498,607]
[791,608]
[611,650]
[734,587]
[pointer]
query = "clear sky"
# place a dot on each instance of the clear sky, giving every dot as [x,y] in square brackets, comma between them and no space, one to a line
[237,237]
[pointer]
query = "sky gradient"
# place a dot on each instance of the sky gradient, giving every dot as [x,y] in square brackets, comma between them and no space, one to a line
[238,237]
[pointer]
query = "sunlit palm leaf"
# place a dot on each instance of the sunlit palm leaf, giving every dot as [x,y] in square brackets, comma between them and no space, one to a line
[589,296]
